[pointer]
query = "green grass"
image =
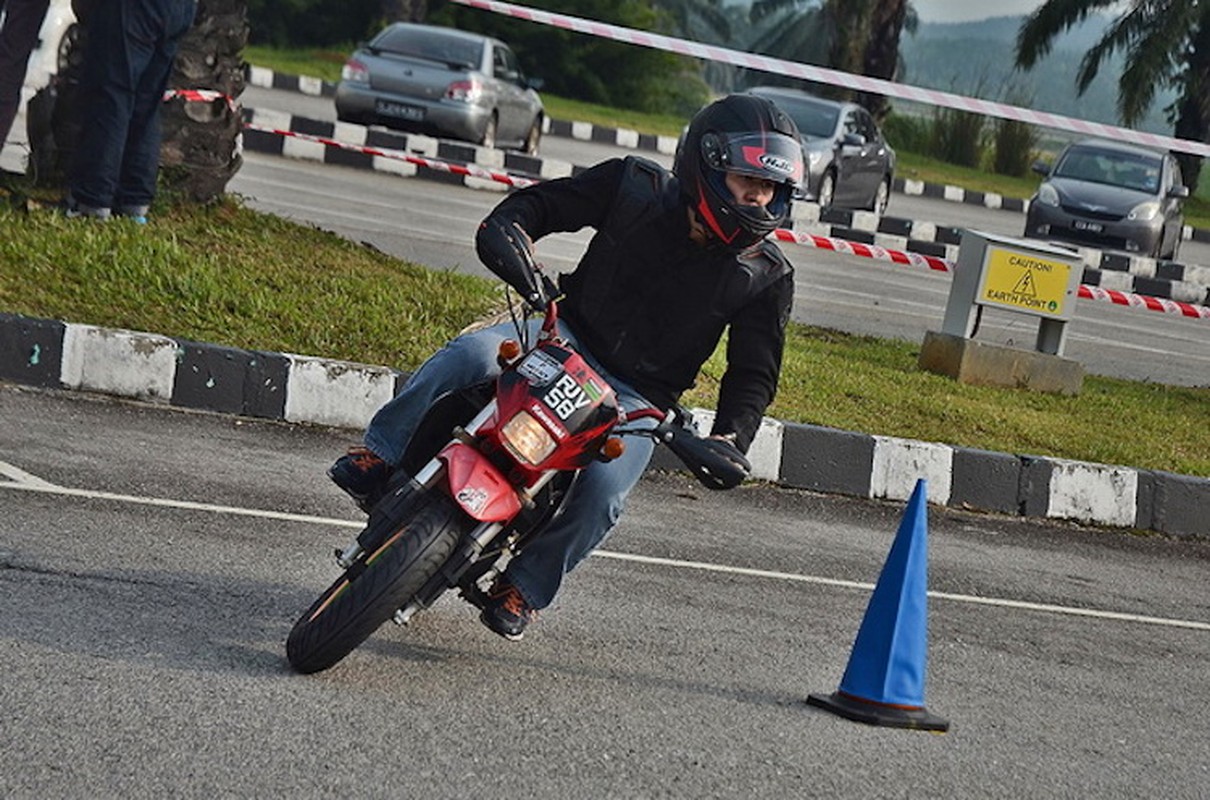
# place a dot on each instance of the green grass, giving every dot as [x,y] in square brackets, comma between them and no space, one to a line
[231,276]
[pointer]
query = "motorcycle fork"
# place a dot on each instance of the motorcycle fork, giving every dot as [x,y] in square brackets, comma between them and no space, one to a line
[482,547]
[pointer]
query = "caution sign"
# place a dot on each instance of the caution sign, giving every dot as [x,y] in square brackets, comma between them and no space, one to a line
[1025,282]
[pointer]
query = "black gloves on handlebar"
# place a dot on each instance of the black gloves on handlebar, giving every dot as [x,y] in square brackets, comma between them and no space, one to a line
[506,249]
[716,463]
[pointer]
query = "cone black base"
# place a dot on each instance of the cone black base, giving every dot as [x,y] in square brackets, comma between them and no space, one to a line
[873,713]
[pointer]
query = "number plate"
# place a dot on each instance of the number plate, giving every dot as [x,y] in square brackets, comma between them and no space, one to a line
[1091,227]
[399,110]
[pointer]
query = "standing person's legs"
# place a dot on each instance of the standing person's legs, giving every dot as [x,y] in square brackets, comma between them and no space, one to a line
[22,22]
[163,23]
[112,63]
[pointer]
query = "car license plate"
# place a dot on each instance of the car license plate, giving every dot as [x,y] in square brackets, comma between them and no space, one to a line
[399,110]
[1091,227]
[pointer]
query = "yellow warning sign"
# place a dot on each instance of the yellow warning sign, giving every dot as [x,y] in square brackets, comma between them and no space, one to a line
[1025,282]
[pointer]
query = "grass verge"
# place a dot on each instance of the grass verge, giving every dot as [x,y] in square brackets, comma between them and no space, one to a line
[228,275]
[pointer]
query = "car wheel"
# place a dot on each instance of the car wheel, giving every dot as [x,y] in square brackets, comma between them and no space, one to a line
[881,197]
[827,190]
[489,133]
[1176,245]
[535,135]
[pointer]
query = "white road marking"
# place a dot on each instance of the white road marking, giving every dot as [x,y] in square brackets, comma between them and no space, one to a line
[21,480]
[961,598]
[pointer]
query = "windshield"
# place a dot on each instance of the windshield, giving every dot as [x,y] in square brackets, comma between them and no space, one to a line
[1137,171]
[814,120]
[432,45]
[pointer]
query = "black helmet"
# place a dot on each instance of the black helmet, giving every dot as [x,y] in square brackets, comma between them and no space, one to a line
[749,135]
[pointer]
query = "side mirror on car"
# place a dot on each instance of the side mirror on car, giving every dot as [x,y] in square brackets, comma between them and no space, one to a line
[1041,167]
[1179,192]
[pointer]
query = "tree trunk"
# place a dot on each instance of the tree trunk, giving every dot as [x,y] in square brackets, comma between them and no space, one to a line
[201,145]
[881,58]
[1192,109]
[404,10]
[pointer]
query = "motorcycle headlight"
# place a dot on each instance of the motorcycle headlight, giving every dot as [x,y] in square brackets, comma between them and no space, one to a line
[1144,211]
[1047,195]
[525,437]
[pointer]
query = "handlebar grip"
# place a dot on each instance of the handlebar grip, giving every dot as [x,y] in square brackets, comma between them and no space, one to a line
[716,463]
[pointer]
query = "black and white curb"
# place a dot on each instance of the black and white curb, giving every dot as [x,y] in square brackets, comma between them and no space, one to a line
[306,389]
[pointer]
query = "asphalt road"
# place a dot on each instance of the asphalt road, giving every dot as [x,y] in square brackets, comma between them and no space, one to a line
[149,575]
[152,561]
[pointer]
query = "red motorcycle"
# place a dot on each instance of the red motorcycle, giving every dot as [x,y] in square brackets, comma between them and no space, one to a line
[488,467]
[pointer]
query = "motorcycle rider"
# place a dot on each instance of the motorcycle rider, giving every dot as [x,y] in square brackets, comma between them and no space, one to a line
[676,260]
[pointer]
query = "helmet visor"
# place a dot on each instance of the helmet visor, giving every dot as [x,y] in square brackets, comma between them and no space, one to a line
[773,156]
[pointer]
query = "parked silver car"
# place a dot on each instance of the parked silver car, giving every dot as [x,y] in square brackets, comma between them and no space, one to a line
[1110,195]
[444,82]
[849,163]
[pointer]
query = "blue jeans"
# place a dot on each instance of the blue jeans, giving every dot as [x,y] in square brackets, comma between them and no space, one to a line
[598,496]
[131,46]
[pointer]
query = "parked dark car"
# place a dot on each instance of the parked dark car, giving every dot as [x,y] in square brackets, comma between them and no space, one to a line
[1110,195]
[849,163]
[443,82]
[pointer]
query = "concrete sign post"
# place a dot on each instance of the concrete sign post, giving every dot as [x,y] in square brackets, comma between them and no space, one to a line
[1025,277]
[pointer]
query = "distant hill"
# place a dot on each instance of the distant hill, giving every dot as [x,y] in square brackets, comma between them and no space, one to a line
[976,58]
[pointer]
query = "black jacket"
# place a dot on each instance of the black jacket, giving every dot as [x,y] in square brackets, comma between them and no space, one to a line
[649,303]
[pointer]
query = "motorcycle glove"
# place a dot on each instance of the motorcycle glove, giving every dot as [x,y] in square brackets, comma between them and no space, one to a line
[506,249]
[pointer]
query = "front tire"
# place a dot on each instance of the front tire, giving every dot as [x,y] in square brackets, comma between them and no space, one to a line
[827,190]
[530,145]
[370,592]
[882,197]
[489,132]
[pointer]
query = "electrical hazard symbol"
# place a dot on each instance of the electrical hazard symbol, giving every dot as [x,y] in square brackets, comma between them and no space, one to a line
[1026,286]
[1025,282]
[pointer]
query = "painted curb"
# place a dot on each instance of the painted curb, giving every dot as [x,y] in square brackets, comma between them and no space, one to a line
[304,389]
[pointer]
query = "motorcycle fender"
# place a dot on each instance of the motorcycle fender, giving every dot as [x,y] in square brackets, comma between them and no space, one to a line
[478,486]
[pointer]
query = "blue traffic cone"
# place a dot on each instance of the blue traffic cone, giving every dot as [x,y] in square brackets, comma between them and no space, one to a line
[884,682]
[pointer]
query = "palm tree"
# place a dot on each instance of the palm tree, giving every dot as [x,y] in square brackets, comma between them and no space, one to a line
[200,152]
[1166,43]
[857,36]
[881,59]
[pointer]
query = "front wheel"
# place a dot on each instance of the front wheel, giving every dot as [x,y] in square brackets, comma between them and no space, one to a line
[530,145]
[881,197]
[827,190]
[488,139]
[370,592]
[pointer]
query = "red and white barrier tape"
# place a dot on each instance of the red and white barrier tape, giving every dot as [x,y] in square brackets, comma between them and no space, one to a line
[1144,301]
[470,170]
[842,246]
[199,96]
[833,77]
[864,250]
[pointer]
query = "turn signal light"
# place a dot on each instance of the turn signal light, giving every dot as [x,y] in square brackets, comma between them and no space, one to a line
[613,448]
[509,349]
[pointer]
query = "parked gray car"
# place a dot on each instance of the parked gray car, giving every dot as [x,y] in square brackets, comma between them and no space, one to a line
[849,163]
[1110,195]
[443,82]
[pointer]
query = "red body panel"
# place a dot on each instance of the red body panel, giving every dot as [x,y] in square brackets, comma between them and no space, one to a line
[478,486]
